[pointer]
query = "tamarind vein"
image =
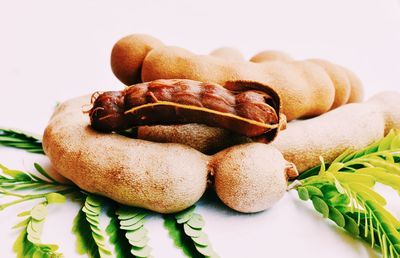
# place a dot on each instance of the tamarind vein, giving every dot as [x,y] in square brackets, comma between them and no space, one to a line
[249,112]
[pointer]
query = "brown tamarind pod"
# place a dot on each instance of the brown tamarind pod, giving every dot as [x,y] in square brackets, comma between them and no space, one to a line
[128,54]
[270,55]
[340,81]
[228,53]
[245,108]
[305,88]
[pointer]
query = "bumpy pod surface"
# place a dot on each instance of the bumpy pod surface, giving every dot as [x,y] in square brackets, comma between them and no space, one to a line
[248,109]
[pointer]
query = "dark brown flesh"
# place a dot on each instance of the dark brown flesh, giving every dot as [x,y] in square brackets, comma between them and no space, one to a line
[249,112]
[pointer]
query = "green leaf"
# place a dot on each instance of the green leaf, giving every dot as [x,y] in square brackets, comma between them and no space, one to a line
[28,243]
[366,180]
[117,237]
[43,172]
[55,198]
[15,174]
[181,240]
[337,216]
[383,177]
[39,212]
[85,243]
[185,215]
[93,204]
[309,173]
[366,193]
[385,143]
[20,140]
[351,226]
[313,191]
[320,205]
[196,221]
[303,193]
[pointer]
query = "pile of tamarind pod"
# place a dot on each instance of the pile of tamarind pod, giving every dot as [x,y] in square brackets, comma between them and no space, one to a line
[166,177]
[307,88]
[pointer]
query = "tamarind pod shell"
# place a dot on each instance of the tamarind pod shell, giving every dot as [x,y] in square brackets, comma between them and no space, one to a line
[270,55]
[128,54]
[245,111]
[228,53]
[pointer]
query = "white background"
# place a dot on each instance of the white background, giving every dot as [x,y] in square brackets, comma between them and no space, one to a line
[54,50]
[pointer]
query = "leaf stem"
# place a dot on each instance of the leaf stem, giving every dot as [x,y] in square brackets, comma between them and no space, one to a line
[32,197]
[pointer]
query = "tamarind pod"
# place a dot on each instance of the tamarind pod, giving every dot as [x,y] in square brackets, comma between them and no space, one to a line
[305,88]
[228,53]
[352,126]
[357,90]
[164,178]
[270,55]
[340,80]
[128,54]
[249,112]
[249,184]
[201,137]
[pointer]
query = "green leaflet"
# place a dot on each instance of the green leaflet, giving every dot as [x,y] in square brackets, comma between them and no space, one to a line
[181,240]
[85,243]
[92,210]
[133,233]
[20,140]
[381,175]
[43,172]
[193,224]
[28,243]
[122,247]
[348,197]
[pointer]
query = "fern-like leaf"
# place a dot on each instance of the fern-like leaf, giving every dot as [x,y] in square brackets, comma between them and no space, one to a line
[92,209]
[122,247]
[28,243]
[85,243]
[348,197]
[189,226]
[20,140]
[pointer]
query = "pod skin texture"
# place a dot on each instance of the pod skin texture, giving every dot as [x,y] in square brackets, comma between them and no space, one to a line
[352,126]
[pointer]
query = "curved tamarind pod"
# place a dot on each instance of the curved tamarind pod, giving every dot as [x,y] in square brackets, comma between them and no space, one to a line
[352,126]
[128,54]
[270,55]
[306,89]
[251,109]
[228,53]
[165,178]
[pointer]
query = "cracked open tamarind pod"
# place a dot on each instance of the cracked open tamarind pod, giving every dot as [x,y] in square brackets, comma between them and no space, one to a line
[248,109]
